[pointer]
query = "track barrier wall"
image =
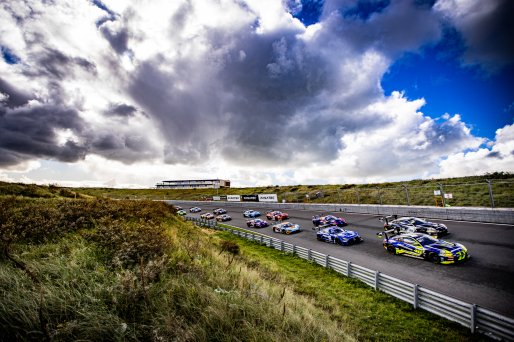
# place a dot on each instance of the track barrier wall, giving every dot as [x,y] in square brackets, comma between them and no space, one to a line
[474,317]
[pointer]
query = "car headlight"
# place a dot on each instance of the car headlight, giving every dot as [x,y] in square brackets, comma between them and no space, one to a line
[431,230]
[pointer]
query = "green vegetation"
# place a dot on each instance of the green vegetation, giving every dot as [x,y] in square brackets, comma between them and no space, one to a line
[98,269]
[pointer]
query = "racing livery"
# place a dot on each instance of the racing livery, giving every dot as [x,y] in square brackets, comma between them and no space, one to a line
[219,211]
[223,218]
[257,223]
[181,212]
[338,235]
[195,210]
[328,220]
[207,216]
[287,228]
[276,215]
[423,246]
[414,225]
[251,213]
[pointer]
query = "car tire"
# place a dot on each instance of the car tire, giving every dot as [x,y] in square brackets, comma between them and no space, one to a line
[339,242]
[287,232]
[391,250]
[432,257]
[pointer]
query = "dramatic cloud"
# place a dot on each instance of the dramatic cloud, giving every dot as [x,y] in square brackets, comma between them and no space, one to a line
[228,88]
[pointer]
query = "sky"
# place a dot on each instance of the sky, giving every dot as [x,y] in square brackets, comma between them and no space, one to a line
[113,93]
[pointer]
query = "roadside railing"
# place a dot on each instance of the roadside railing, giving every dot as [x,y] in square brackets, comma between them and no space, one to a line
[472,316]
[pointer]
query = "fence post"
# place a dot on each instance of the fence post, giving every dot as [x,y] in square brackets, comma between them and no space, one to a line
[377,275]
[282,246]
[379,195]
[407,194]
[415,296]
[491,198]
[442,194]
[294,249]
[349,269]
[326,260]
[309,254]
[472,323]
[262,240]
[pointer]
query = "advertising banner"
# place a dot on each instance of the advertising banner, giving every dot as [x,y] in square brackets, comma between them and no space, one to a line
[250,198]
[223,198]
[216,198]
[233,198]
[268,198]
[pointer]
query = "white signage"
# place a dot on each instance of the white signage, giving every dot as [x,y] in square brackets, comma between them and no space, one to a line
[233,198]
[268,198]
[448,195]
[437,192]
[216,198]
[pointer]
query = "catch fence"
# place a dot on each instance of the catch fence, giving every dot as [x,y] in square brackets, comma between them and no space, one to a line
[472,316]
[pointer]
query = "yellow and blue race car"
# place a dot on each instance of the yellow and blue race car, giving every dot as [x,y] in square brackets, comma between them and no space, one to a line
[423,246]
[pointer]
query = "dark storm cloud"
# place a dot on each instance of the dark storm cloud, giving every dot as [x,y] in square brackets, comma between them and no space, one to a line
[15,97]
[27,133]
[489,34]
[117,39]
[121,110]
[54,63]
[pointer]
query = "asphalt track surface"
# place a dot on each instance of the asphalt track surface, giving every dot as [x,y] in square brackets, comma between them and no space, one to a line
[487,279]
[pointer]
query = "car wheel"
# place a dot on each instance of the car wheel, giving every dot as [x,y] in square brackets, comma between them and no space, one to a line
[287,232]
[432,257]
[391,249]
[339,242]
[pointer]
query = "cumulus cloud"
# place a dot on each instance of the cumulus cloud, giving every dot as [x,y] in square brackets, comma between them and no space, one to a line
[225,88]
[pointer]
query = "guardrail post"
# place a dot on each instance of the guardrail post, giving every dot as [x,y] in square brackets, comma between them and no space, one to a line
[415,296]
[294,249]
[349,269]
[377,275]
[472,323]
[491,198]
[309,254]
[282,246]
[326,260]
[262,240]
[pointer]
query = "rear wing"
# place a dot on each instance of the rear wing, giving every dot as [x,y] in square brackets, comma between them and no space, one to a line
[388,218]
[389,233]
[321,226]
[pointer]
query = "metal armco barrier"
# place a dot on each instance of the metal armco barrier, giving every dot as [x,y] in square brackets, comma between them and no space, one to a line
[474,317]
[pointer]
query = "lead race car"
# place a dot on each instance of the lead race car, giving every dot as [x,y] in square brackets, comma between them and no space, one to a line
[276,215]
[251,213]
[423,246]
[332,220]
[338,235]
[414,225]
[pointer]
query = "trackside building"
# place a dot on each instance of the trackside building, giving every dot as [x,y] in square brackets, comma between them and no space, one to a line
[194,184]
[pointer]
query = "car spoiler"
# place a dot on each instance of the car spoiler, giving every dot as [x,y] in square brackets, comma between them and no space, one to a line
[386,219]
[389,233]
[326,225]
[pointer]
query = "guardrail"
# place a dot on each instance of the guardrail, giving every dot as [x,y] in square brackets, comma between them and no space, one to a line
[472,316]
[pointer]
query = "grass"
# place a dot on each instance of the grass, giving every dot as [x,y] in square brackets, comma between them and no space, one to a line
[124,270]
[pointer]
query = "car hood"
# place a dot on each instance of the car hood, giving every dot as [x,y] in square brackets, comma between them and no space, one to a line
[445,245]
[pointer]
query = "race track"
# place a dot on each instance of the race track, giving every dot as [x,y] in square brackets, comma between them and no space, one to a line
[487,279]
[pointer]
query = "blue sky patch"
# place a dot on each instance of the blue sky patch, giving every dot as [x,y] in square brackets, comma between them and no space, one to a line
[310,11]
[8,56]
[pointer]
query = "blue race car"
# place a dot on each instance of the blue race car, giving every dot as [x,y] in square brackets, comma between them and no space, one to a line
[328,220]
[423,246]
[257,223]
[251,213]
[195,210]
[337,235]
[287,228]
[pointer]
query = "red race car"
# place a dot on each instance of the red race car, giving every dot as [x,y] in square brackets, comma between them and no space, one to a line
[276,215]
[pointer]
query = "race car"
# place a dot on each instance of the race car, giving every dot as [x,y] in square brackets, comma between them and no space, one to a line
[207,216]
[251,213]
[338,235]
[414,225]
[276,215]
[423,246]
[195,210]
[219,211]
[223,218]
[287,228]
[257,223]
[318,220]
[177,207]
[181,212]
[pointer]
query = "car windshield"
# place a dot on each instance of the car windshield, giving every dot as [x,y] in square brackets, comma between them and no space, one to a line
[425,240]
[286,225]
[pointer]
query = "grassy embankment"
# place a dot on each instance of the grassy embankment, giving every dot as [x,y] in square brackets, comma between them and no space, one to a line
[466,191]
[96,269]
